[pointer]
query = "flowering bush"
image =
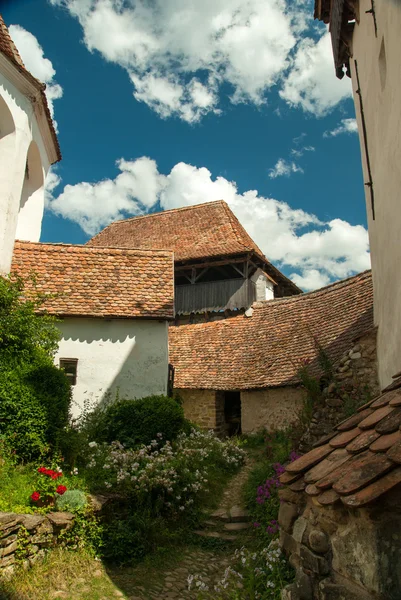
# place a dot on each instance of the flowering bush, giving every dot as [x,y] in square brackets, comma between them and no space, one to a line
[168,477]
[47,487]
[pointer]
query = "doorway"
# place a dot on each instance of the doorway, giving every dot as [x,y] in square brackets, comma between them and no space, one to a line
[232,412]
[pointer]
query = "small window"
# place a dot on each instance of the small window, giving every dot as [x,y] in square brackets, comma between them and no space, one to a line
[69,365]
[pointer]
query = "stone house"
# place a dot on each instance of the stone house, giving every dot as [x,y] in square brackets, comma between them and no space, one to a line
[340,516]
[218,268]
[366,43]
[28,146]
[241,373]
[114,307]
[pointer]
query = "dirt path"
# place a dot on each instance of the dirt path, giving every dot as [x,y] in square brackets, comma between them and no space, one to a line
[224,531]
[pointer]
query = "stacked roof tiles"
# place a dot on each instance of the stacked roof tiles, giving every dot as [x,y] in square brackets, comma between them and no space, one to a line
[98,282]
[267,349]
[359,461]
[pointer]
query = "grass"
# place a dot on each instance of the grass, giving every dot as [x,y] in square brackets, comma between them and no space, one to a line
[63,574]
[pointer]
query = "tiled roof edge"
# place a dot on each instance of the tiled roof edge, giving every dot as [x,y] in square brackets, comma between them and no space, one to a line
[24,245]
[298,298]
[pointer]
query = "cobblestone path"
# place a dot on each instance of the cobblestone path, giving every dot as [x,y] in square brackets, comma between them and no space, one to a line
[229,523]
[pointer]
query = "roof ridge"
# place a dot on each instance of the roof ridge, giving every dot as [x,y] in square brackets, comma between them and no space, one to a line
[336,284]
[23,244]
[161,212]
[230,215]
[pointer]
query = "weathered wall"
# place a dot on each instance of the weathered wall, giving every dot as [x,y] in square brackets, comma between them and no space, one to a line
[355,382]
[379,67]
[274,408]
[200,407]
[339,552]
[25,538]
[128,356]
[21,198]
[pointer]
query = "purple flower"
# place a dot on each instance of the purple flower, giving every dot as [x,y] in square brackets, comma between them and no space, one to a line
[256,524]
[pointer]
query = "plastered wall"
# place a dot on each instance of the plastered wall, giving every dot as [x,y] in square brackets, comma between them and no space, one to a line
[128,356]
[377,57]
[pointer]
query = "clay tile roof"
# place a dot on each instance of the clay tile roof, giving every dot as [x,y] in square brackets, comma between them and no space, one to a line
[203,231]
[365,468]
[98,282]
[266,349]
[8,48]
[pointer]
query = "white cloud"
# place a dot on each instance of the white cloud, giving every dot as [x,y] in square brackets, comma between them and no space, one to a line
[312,279]
[36,63]
[284,168]
[311,83]
[345,126]
[316,252]
[179,53]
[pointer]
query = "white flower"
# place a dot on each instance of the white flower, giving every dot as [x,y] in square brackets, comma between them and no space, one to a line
[92,445]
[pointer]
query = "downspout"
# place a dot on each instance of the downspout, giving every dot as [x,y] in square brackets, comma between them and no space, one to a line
[368,183]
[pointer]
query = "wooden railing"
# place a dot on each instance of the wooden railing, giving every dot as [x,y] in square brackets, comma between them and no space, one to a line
[227,294]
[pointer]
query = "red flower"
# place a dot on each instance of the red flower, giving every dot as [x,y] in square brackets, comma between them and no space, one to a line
[61,489]
[35,496]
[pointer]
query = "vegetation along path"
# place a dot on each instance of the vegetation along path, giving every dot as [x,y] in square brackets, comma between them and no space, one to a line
[208,556]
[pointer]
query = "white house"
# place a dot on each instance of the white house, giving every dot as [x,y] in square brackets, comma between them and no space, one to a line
[28,146]
[114,307]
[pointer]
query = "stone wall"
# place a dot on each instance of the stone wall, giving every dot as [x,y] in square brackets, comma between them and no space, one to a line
[271,409]
[355,381]
[342,553]
[200,407]
[24,538]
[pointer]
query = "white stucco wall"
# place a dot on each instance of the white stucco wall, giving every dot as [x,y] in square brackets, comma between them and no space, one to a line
[14,187]
[130,356]
[264,287]
[379,67]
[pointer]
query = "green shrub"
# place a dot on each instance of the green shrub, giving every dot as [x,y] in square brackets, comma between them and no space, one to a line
[23,418]
[136,422]
[71,500]
[35,395]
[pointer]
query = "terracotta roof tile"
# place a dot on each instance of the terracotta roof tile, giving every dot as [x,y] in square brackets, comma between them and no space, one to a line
[279,334]
[385,442]
[369,465]
[344,438]
[204,231]
[366,471]
[98,282]
[8,48]
[354,420]
[308,460]
[363,441]
[375,417]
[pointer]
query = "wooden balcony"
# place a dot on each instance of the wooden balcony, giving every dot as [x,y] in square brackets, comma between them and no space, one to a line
[213,296]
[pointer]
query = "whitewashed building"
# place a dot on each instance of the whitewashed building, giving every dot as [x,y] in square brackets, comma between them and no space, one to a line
[28,146]
[114,306]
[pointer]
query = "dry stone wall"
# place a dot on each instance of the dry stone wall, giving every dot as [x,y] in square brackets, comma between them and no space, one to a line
[25,538]
[340,553]
[355,381]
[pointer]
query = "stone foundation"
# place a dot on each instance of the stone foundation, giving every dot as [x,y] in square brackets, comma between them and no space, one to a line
[200,407]
[25,538]
[270,409]
[340,553]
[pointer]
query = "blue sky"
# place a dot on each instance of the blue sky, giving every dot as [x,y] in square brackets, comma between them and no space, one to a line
[201,100]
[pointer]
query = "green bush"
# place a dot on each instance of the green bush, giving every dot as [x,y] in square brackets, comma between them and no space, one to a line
[71,500]
[23,418]
[136,422]
[35,395]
